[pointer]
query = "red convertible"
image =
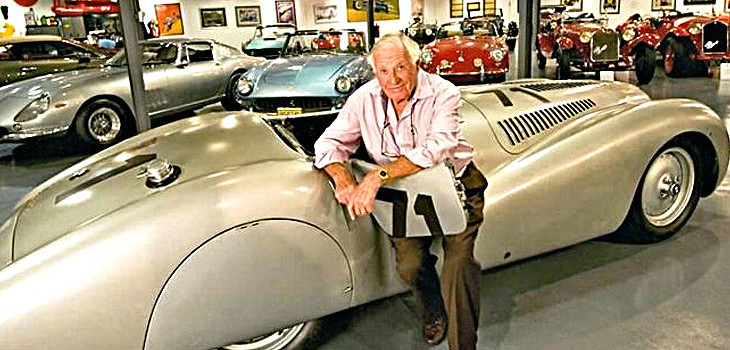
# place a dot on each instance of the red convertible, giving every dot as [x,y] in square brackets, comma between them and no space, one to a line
[687,41]
[466,51]
[580,41]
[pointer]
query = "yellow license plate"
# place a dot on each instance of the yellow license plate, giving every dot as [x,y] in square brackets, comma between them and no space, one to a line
[288,110]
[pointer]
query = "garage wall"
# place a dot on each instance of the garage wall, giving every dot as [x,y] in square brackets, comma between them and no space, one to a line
[235,35]
[16,14]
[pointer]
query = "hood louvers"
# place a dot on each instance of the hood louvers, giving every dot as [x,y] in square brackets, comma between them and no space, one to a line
[556,85]
[525,126]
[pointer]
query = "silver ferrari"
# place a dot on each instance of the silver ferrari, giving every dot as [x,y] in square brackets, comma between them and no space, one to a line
[95,104]
[216,231]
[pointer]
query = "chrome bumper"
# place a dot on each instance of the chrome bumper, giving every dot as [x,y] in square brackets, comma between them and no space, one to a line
[17,136]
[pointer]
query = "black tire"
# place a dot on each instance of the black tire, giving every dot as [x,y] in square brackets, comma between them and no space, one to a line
[644,63]
[511,43]
[102,122]
[229,101]
[357,5]
[298,337]
[643,227]
[541,60]
[676,59]
[563,71]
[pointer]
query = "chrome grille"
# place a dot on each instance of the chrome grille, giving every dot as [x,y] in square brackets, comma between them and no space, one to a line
[556,85]
[604,46]
[522,127]
[307,104]
[714,37]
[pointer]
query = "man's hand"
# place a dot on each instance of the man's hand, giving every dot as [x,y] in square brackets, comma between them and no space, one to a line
[363,198]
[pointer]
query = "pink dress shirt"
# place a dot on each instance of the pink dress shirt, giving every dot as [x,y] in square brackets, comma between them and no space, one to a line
[427,133]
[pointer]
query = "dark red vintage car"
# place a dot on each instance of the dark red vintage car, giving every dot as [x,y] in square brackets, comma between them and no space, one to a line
[580,41]
[467,51]
[687,42]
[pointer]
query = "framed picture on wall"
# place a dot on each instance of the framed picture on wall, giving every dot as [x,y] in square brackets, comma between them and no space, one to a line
[727,5]
[573,5]
[214,17]
[285,12]
[699,2]
[248,16]
[169,19]
[663,5]
[610,6]
[325,13]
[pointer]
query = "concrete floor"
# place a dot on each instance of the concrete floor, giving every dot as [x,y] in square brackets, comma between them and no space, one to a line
[595,295]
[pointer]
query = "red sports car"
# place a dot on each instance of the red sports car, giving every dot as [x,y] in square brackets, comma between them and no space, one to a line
[468,51]
[687,41]
[580,41]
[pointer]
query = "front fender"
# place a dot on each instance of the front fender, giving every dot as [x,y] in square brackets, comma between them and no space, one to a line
[253,279]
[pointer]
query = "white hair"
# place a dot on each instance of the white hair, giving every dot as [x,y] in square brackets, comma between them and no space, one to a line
[411,47]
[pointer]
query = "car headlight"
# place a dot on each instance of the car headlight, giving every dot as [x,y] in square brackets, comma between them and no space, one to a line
[34,109]
[585,37]
[628,33]
[552,25]
[426,56]
[695,29]
[429,31]
[478,62]
[244,87]
[445,64]
[343,84]
[497,54]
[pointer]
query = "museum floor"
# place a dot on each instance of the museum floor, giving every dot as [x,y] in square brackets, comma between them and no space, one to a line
[595,295]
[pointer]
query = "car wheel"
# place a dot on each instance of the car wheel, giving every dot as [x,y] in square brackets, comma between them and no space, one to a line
[295,337]
[229,101]
[676,59]
[541,60]
[102,122]
[666,196]
[511,43]
[563,71]
[644,63]
[357,5]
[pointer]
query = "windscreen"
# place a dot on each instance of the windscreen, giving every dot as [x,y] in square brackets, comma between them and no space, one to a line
[467,28]
[152,53]
[324,43]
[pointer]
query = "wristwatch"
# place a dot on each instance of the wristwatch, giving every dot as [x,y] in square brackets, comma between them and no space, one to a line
[383,175]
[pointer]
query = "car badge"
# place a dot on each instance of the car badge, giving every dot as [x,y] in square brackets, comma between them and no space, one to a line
[599,50]
[710,44]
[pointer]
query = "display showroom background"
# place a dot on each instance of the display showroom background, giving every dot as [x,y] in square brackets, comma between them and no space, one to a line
[432,10]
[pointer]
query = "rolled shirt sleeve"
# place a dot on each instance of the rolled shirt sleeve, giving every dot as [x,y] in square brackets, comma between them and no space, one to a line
[341,138]
[443,137]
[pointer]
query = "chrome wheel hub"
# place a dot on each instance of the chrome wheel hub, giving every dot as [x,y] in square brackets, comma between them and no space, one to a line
[104,124]
[274,341]
[668,187]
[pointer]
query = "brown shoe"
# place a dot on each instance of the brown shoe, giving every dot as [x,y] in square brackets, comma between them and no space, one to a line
[435,331]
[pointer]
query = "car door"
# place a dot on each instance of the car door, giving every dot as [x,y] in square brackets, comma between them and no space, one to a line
[199,76]
[158,62]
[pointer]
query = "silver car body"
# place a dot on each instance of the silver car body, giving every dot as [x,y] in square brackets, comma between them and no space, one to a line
[171,88]
[250,239]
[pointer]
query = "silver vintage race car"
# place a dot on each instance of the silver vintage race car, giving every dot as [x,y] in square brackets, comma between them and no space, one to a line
[95,104]
[215,229]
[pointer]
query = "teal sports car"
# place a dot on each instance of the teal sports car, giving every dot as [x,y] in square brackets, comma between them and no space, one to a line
[268,41]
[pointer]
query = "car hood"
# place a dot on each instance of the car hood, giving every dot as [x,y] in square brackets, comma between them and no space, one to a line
[308,75]
[458,44]
[110,181]
[578,28]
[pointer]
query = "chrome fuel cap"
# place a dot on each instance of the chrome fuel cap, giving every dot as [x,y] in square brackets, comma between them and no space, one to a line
[160,172]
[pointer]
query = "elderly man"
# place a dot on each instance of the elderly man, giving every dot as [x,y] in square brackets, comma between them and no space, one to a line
[408,120]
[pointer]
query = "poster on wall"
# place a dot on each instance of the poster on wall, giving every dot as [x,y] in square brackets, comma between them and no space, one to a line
[573,5]
[215,17]
[285,12]
[325,13]
[169,19]
[384,10]
[248,16]
[727,5]
[699,2]
[662,5]
[610,6]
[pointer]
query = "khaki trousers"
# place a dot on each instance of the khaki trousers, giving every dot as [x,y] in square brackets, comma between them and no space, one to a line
[457,296]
